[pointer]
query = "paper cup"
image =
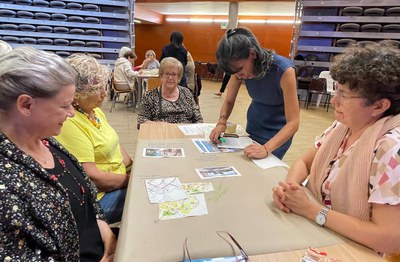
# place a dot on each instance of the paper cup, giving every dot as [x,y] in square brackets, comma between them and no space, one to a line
[230,128]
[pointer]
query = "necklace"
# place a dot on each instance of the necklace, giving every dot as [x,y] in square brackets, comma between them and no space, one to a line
[92,117]
[65,171]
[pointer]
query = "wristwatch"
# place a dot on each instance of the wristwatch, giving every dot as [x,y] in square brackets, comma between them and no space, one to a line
[320,219]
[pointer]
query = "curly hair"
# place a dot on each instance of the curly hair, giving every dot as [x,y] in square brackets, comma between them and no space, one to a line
[371,70]
[235,45]
[92,76]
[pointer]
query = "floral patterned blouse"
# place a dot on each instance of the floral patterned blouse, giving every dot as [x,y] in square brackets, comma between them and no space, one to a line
[36,221]
[183,110]
[384,187]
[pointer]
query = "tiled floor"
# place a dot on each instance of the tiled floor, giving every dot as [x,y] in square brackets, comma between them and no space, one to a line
[312,121]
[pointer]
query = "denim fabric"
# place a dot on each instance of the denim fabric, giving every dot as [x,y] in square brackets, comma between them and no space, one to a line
[113,205]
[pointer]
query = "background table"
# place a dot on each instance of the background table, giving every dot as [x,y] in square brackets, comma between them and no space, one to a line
[241,206]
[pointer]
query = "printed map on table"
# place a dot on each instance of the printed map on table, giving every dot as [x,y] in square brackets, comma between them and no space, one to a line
[205,146]
[195,188]
[194,205]
[164,189]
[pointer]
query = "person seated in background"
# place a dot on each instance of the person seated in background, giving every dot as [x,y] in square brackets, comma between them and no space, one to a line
[4,48]
[150,62]
[49,210]
[354,167]
[169,102]
[90,138]
[124,75]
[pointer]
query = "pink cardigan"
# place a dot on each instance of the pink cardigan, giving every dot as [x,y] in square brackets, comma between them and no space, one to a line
[349,191]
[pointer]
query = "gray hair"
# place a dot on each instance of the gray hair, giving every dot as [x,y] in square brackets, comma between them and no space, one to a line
[37,73]
[171,62]
[4,47]
[235,45]
[123,50]
[92,76]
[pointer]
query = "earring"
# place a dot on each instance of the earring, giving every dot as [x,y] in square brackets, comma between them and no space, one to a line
[28,113]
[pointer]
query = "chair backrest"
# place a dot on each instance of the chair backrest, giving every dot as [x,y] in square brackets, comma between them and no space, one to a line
[304,71]
[318,85]
[120,87]
[152,83]
[329,81]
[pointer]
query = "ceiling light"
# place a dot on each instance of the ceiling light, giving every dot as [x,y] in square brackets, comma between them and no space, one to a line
[220,20]
[279,21]
[177,19]
[137,21]
[201,20]
[251,21]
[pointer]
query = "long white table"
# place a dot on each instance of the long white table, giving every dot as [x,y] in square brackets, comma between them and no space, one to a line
[241,206]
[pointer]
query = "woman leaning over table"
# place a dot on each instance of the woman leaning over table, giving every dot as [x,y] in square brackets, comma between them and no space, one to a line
[273,115]
[169,102]
[49,210]
[90,138]
[354,168]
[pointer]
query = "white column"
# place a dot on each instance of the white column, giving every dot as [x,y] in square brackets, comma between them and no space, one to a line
[233,15]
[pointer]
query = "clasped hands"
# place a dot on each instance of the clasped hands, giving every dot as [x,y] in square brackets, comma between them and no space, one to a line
[290,197]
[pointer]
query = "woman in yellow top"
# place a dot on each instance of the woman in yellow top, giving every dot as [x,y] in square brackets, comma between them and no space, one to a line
[90,138]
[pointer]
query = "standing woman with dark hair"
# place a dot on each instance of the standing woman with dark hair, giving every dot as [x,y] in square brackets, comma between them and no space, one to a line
[273,115]
[175,49]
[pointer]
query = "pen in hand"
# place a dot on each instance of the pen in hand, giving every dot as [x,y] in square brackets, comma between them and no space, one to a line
[222,139]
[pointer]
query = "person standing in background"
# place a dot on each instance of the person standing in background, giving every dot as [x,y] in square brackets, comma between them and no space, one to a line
[176,49]
[273,115]
[189,72]
[225,81]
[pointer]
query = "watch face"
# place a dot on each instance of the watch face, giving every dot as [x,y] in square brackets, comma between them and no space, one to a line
[320,219]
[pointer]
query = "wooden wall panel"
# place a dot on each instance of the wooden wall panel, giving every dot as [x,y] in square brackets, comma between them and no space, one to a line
[201,39]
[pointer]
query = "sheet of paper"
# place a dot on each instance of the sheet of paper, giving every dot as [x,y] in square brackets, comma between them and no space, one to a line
[195,188]
[164,189]
[163,152]
[269,162]
[235,143]
[217,171]
[205,146]
[196,129]
[194,205]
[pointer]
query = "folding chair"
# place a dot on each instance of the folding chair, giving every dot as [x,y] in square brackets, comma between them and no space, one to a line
[122,88]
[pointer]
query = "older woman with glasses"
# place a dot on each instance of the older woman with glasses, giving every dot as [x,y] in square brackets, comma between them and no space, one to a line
[49,210]
[273,115]
[354,168]
[90,138]
[169,102]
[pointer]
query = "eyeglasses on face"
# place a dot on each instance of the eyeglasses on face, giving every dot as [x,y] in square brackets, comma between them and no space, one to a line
[342,95]
[168,75]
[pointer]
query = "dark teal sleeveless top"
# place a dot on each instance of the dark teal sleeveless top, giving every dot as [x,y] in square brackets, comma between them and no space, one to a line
[266,113]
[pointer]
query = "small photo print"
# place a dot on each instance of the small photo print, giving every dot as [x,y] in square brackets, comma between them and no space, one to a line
[218,171]
[163,152]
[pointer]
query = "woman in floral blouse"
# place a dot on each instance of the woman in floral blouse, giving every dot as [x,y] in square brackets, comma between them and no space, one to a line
[354,167]
[169,102]
[49,210]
